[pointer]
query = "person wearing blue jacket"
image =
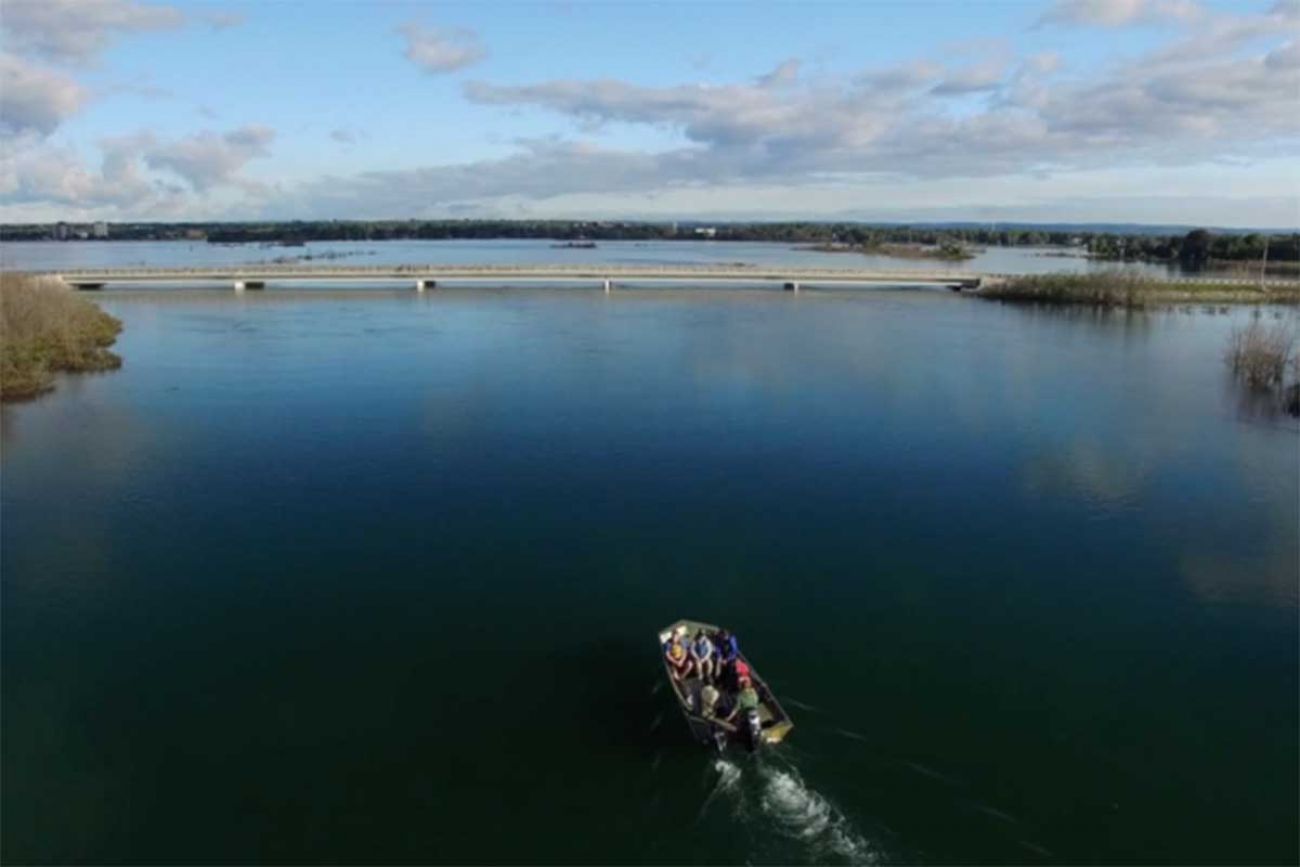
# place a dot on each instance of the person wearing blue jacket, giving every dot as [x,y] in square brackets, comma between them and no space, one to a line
[728,650]
[702,654]
[728,646]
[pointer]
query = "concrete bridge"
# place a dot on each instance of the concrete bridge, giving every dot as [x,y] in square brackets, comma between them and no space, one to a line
[424,277]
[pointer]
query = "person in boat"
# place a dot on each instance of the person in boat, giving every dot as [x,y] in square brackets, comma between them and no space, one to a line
[679,661]
[709,697]
[746,700]
[728,650]
[740,672]
[678,637]
[702,654]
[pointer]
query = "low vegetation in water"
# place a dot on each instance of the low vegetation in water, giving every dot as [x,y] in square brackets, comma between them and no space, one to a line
[1264,358]
[46,328]
[947,251]
[1260,353]
[1121,289]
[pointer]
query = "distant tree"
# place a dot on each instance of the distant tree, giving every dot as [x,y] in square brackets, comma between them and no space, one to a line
[1195,251]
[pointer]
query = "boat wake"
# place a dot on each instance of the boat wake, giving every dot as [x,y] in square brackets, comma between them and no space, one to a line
[801,705]
[782,809]
[728,779]
[728,776]
[806,816]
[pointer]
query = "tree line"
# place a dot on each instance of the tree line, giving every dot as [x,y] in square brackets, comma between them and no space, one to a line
[1193,249]
[1197,248]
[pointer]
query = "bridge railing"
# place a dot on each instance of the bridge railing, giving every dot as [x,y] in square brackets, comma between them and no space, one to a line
[558,271]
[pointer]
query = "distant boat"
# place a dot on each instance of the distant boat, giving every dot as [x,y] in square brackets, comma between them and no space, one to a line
[575,245]
[769,725]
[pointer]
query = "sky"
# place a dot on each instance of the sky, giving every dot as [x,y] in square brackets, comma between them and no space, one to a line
[1138,111]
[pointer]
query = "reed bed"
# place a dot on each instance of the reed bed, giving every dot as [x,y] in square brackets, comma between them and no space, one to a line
[1123,289]
[46,328]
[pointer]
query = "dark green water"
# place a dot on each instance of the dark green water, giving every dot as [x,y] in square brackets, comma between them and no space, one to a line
[375,579]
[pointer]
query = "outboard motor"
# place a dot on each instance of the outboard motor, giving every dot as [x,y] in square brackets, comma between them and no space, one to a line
[753,729]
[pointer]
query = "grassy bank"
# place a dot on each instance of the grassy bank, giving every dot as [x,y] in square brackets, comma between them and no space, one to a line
[1118,289]
[46,328]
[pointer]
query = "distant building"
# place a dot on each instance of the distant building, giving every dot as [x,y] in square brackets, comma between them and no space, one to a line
[101,229]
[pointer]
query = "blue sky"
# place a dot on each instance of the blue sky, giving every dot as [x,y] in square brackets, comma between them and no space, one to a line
[1173,111]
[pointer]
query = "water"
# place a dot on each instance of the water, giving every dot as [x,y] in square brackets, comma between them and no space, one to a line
[375,578]
[125,254]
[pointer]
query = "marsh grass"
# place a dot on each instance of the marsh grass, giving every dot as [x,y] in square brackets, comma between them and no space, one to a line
[1122,289]
[46,328]
[1112,289]
[1260,354]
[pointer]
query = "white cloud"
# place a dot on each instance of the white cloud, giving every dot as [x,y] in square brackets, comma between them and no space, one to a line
[1224,34]
[1222,89]
[979,77]
[138,173]
[883,124]
[76,31]
[34,99]
[757,122]
[905,77]
[210,159]
[438,51]
[57,176]
[1159,109]
[1120,13]
[785,73]
[542,170]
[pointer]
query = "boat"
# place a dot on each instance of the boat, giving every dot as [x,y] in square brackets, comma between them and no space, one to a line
[768,726]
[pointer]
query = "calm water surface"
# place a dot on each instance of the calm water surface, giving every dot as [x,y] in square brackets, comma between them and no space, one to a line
[375,579]
[125,254]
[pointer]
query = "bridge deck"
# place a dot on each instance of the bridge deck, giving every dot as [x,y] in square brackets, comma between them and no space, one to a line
[506,272]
